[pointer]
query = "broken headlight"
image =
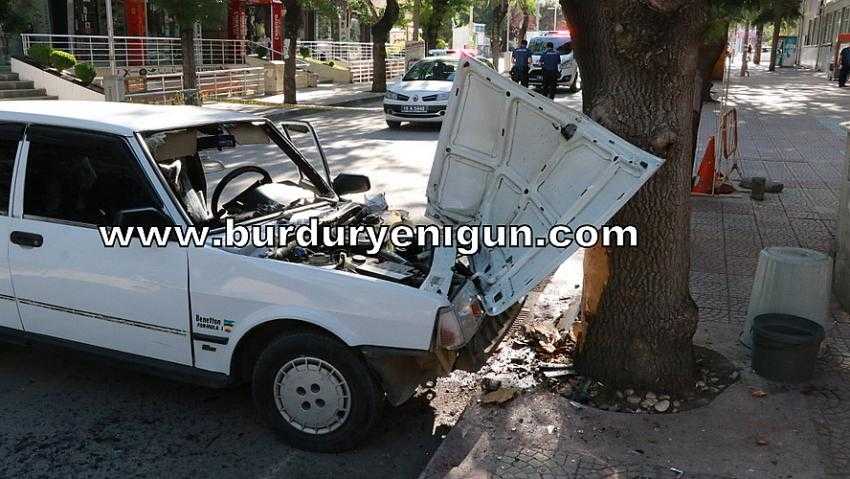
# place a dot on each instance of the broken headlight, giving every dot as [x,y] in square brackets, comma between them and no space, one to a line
[456,324]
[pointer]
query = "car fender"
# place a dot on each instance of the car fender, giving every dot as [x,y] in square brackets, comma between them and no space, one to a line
[231,294]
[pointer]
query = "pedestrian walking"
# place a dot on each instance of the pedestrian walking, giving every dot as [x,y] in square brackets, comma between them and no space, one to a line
[844,60]
[522,60]
[551,61]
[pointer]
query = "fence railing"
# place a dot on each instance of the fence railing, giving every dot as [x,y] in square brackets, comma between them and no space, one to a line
[228,83]
[357,56]
[141,51]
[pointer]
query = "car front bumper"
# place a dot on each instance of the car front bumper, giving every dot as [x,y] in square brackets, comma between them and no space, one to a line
[433,113]
[401,371]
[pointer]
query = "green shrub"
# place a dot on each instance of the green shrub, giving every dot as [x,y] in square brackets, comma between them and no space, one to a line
[62,60]
[85,72]
[304,52]
[40,53]
[442,43]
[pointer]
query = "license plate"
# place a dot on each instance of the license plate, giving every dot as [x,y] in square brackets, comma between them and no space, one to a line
[413,109]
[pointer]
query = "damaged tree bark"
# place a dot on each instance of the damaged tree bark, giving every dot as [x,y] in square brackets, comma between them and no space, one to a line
[638,70]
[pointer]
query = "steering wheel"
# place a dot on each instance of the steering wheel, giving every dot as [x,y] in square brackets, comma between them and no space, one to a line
[267,178]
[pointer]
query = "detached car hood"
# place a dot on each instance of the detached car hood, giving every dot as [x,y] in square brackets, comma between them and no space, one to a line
[507,156]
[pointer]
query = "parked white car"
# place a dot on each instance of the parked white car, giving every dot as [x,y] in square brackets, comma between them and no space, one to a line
[422,94]
[322,340]
[569,74]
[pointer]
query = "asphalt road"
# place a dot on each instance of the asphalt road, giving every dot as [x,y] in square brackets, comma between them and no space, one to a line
[63,414]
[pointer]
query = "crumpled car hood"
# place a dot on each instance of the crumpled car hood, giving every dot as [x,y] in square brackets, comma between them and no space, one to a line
[508,156]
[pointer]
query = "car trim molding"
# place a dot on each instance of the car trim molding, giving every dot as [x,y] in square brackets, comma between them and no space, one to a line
[93,315]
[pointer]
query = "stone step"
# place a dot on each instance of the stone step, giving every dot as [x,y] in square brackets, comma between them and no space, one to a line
[22,92]
[16,84]
[26,98]
[9,77]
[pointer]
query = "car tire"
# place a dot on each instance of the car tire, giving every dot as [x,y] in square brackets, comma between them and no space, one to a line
[575,86]
[394,125]
[318,372]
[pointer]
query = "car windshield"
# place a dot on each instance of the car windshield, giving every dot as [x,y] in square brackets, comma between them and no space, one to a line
[537,45]
[439,70]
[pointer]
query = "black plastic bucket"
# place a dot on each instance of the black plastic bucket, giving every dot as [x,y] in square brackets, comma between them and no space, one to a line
[785,347]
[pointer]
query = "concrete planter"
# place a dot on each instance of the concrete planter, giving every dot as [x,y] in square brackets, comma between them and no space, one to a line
[54,84]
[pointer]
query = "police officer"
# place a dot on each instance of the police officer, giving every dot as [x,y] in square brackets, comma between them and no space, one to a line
[522,58]
[844,60]
[551,61]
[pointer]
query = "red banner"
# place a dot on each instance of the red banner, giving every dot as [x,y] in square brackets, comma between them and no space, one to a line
[134,13]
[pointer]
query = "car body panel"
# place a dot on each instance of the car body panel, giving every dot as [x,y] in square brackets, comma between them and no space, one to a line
[506,157]
[247,291]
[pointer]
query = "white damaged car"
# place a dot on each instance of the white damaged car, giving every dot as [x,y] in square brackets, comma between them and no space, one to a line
[324,336]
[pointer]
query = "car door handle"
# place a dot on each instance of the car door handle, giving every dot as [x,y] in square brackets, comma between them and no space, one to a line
[26,239]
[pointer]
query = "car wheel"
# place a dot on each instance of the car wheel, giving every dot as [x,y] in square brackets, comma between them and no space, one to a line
[394,125]
[575,86]
[317,393]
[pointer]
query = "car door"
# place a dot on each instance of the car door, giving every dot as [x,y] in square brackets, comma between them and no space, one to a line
[11,135]
[67,283]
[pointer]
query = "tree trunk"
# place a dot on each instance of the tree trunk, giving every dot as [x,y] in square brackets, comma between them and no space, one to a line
[439,8]
[744,51]
[523,29]
[774,44]
[415,13]
[636,301]
[759,38]
[380,37]
[500,10]
[190,70]
[292,23]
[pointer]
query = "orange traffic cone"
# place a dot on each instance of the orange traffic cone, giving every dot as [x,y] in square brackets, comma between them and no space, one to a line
[705,174]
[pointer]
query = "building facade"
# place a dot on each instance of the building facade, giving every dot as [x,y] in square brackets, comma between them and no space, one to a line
[819,27]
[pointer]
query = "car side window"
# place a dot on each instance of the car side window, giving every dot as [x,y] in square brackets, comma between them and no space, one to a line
[82,177]
[10,136]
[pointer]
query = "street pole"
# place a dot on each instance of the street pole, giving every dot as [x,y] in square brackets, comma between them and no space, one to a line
[508,27]
[113,85]
[110,33]
[555,18]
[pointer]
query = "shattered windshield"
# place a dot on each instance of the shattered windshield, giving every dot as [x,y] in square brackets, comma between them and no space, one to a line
[439,70]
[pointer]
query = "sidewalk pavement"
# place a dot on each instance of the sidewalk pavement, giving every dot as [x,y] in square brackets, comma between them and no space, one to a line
[789,132]
[325,95]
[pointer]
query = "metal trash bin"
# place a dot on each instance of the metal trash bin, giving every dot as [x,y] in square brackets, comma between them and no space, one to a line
[793,281]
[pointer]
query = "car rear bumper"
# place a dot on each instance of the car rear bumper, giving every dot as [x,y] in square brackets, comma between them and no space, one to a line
[535,77]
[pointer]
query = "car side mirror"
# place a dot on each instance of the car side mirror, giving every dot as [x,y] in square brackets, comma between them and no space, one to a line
[144,217]
[346,184]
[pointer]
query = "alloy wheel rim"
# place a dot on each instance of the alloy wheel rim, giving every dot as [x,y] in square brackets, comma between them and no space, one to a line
[312,395]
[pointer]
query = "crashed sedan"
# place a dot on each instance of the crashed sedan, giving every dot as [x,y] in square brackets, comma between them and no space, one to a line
[324,335]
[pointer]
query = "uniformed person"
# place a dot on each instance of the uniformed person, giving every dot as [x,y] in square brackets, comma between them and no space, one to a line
[522,59]
[551,62]
[844,66]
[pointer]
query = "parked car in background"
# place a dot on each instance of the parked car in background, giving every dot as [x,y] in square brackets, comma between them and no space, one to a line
[563,43]
[422,94]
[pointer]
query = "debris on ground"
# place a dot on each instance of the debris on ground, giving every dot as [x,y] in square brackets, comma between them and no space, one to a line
[538,355]
[499,396]
[759,393]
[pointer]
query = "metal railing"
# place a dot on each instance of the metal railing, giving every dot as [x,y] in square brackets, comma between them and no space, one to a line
[357,56]
[141,51]
[227,83]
